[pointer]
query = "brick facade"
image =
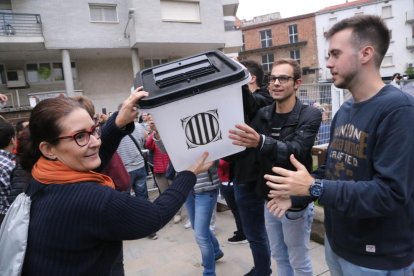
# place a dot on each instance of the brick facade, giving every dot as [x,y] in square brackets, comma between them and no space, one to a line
[281,47]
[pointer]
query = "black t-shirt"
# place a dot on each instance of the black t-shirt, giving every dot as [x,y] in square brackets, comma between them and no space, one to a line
[278,120]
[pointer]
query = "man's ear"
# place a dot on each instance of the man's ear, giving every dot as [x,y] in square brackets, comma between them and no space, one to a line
[253,80]
[13,141]
[367,54]
[47,150]
[297,84]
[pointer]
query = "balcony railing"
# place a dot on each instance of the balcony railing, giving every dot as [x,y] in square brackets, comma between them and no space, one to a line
[20,24]
[230,26]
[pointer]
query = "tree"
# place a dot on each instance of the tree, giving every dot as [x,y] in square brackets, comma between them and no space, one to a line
[410,72]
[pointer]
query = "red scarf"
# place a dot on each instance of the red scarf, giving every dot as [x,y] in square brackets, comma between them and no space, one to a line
[55,172]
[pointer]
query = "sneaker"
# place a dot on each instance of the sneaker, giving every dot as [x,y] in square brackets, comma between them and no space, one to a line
[153,236]
[237,239]
[219,255]
[177,219]
[187,224]
[250,273]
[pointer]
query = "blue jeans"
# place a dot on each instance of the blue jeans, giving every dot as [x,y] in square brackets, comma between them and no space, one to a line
[339,266]
[200,207]
[139,182]
[289,241]
[251,210]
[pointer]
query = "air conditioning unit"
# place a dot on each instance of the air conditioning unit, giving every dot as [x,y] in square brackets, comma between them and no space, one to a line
[15,78]
[409,65]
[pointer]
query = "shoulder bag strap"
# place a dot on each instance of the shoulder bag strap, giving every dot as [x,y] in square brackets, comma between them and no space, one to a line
[137,145]
[146,163]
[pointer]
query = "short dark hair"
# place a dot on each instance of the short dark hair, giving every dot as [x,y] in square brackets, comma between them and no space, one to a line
[366,29]
[297,72]
[20,125]
[398,75]
[6,133]
[255,69]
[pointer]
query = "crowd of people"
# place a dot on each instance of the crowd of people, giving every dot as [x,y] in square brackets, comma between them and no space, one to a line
[89,173]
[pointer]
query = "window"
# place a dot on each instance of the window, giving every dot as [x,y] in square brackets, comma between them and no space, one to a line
[387,61]
[181,11]
[244,43]
[5,5]
[154,62]
[266,38]
[386,12]
[295,54]
[10,100]
[229,25]
[74,71]
[293,33]
[267,62]
[103,13]
[47,72]
[2,74]
[44,72]
[58,71]
[32,73]
[332,21]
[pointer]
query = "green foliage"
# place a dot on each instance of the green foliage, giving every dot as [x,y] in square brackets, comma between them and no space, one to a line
[410,72]
[44,72]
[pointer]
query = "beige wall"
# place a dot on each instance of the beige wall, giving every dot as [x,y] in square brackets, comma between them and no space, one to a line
[106,81]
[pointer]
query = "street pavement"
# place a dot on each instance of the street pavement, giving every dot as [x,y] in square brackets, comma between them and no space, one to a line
[175,253]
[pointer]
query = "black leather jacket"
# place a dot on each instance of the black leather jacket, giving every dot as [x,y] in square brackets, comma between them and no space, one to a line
[19,180]
[297,136]
[245,166]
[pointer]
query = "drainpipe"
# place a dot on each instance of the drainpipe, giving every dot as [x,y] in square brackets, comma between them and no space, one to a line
[135,61]
[67,73]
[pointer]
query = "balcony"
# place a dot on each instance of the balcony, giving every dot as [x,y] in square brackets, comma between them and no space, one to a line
[409,16]
[409,44]
[20,27]
[230,7]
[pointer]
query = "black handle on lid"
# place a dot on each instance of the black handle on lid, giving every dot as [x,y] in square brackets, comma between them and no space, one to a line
[183,71]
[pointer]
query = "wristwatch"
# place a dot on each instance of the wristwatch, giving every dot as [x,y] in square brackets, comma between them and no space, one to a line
[316,188]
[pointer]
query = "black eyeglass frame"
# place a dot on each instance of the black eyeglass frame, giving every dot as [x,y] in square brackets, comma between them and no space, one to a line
[282,79]
[95,130]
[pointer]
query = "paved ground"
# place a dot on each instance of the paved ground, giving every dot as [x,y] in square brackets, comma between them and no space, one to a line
[175,253]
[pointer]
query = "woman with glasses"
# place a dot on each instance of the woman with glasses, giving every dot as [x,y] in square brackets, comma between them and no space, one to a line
[78,220]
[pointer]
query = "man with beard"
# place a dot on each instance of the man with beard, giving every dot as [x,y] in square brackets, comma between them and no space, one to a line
[366,186]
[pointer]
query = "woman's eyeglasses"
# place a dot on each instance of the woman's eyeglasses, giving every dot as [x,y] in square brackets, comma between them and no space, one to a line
[82,138]
[281,79]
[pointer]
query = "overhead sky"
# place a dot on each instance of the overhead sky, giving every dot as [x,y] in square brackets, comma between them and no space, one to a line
[287,8]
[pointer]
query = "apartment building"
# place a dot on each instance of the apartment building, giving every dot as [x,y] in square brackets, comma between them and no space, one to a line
[397,14]
[273,38]
[96,47]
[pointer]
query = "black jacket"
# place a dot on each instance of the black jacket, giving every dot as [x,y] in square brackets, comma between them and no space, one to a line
[297,136]
[245,166]
[19,179]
